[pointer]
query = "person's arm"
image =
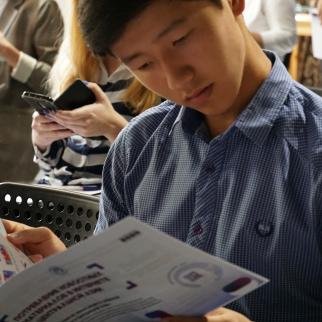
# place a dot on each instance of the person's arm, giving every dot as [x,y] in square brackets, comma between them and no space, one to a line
[280,16]
[8,51]
[218,315]
[47,32]
[37,243]
[49,141]
[113,201]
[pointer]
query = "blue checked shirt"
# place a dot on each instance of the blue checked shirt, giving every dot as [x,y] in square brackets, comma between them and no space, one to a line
[252,195]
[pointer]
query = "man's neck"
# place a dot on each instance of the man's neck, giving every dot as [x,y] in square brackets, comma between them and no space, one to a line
[256,71]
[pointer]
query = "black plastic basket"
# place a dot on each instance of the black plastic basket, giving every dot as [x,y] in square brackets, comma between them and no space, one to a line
[71,216]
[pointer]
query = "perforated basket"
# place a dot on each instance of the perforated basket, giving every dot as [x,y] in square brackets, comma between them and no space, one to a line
[72,216]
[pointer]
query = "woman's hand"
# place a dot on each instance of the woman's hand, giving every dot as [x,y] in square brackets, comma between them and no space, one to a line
[95,119]
[37,243]
[45,131]
[219,315]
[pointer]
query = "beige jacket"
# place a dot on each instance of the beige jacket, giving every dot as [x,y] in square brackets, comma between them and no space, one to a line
[35,27]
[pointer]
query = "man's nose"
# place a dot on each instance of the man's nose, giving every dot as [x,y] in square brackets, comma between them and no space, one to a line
[178,75]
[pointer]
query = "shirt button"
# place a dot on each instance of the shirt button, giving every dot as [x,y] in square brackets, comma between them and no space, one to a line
[264,229]
[197,230]
[210,169]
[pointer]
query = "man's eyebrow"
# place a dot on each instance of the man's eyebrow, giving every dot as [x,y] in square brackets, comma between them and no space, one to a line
[127,60]
[174,24]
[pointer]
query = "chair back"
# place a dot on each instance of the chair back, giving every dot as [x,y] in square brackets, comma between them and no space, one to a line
[72,216]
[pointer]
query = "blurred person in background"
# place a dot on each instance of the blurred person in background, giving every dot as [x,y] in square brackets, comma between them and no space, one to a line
[71,146]
[319,6]
[30,32]
[273,25]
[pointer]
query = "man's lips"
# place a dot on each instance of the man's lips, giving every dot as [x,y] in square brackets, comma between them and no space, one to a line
[200,95]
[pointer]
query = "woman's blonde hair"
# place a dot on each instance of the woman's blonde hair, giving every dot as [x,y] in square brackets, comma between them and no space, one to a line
[75,60]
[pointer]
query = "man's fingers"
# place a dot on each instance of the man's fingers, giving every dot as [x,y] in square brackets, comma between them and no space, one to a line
[185,319]
[36,258]
[30,235]
[98,92]
[216,312]
[13,226]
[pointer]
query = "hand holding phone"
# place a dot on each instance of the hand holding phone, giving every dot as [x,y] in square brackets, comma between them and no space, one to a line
[94,120]
[45,131]
[76,95]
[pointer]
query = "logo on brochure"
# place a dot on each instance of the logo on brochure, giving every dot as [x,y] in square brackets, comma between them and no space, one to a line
[58,270]
[157,315]
[5,255]
[8,274]
[194,274]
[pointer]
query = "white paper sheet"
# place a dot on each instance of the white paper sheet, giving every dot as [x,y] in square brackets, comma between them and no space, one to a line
[132,272]
[12,260]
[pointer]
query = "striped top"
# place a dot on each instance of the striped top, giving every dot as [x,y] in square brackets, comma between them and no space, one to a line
[252,195]
[77,161]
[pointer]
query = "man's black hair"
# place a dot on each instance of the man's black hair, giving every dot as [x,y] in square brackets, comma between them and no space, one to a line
[102,22]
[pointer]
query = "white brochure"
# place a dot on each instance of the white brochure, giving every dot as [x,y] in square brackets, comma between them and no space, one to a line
[12,260]
[132,272]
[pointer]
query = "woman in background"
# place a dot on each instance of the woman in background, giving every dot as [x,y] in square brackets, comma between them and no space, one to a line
[272,24]
[30,35]
[71,146]
[319,6]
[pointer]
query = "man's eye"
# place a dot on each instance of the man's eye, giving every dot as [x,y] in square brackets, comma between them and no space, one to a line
[145,66]
[181,40]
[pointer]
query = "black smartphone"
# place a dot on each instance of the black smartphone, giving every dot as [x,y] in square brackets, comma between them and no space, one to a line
[41,103]
[76,95]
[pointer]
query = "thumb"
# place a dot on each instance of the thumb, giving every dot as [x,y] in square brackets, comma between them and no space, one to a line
[31,235]
[98,92]
[36,258]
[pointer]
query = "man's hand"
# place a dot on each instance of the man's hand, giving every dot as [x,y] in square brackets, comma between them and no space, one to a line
[218,315]
[8,52]
[37,243]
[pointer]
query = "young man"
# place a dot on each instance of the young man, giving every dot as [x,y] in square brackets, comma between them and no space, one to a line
[230,164]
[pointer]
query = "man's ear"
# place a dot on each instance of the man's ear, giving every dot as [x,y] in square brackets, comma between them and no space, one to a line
[237,6]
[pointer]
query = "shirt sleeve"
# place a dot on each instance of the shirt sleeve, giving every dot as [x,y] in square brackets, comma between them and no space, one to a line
[24,68]
[49,158]
[280,16]
[46,38]
[112,203]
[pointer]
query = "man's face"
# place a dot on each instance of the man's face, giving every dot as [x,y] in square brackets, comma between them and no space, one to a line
[191,52]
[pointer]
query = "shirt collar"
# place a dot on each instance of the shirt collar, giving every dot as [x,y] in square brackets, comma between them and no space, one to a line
[257,119]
